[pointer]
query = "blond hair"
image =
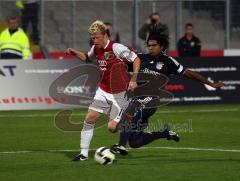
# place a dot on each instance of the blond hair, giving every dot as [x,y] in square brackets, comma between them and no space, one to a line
[97,26]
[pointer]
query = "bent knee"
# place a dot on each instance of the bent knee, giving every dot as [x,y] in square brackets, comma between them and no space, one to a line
[92,117]
[134,144]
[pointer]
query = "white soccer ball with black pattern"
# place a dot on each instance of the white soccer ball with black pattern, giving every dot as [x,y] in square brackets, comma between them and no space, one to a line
[104,156]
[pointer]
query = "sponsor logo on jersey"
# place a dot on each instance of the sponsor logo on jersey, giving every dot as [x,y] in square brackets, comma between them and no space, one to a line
[146,70]
[102,64]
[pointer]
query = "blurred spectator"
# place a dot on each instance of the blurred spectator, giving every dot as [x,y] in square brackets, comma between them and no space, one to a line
[189,44]
[29,9]
[14,43]
[235,15]
[153,24]
[114,36]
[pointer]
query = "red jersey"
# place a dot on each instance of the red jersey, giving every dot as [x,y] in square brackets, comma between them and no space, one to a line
[112,63]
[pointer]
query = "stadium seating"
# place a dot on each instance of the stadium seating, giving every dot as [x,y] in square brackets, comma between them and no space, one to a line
[58,26]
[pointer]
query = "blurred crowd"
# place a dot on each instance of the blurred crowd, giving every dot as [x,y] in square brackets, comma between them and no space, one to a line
[16,39]
[188,45]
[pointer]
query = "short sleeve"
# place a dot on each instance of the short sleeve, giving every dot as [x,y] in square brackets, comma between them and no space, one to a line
[122,52]
[91,53]
[175,67]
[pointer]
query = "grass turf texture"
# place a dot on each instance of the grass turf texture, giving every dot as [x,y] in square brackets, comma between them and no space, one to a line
[215,126]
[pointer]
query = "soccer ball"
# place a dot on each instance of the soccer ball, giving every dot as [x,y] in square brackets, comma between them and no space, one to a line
[104,156]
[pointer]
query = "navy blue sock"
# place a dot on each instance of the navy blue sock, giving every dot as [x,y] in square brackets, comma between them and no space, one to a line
[125,132]
[126,128]
[124,137]
[139,122]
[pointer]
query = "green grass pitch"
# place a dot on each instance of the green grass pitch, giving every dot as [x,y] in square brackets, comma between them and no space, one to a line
[32,148]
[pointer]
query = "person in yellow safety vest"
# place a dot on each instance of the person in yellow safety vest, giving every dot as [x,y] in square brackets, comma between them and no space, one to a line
[14,43]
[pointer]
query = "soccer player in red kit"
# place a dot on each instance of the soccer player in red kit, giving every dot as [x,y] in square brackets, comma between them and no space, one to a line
[110,96]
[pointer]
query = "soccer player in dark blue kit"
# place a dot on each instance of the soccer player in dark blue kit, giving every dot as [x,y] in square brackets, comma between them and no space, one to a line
[158,63]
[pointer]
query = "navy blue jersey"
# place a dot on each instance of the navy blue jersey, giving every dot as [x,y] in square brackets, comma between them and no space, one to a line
[162,64]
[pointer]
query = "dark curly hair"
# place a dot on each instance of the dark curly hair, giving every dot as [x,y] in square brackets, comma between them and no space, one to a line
[162,40]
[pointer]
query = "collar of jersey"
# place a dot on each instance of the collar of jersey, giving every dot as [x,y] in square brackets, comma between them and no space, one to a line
[107,44]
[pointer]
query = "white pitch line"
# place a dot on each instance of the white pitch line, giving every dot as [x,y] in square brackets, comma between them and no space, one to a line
[67,150]
[157,147]
[194,149]
[12,152]
[200,111]
[38,115]
[158,112]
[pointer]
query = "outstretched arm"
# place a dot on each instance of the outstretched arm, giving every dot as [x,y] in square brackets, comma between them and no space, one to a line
[78,54]
[196,76]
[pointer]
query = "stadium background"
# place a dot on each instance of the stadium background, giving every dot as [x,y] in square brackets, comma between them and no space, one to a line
[31,144]
[64,23]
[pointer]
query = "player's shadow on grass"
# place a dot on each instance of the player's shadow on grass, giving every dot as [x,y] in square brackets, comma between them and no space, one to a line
[72,154]
[149,156]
